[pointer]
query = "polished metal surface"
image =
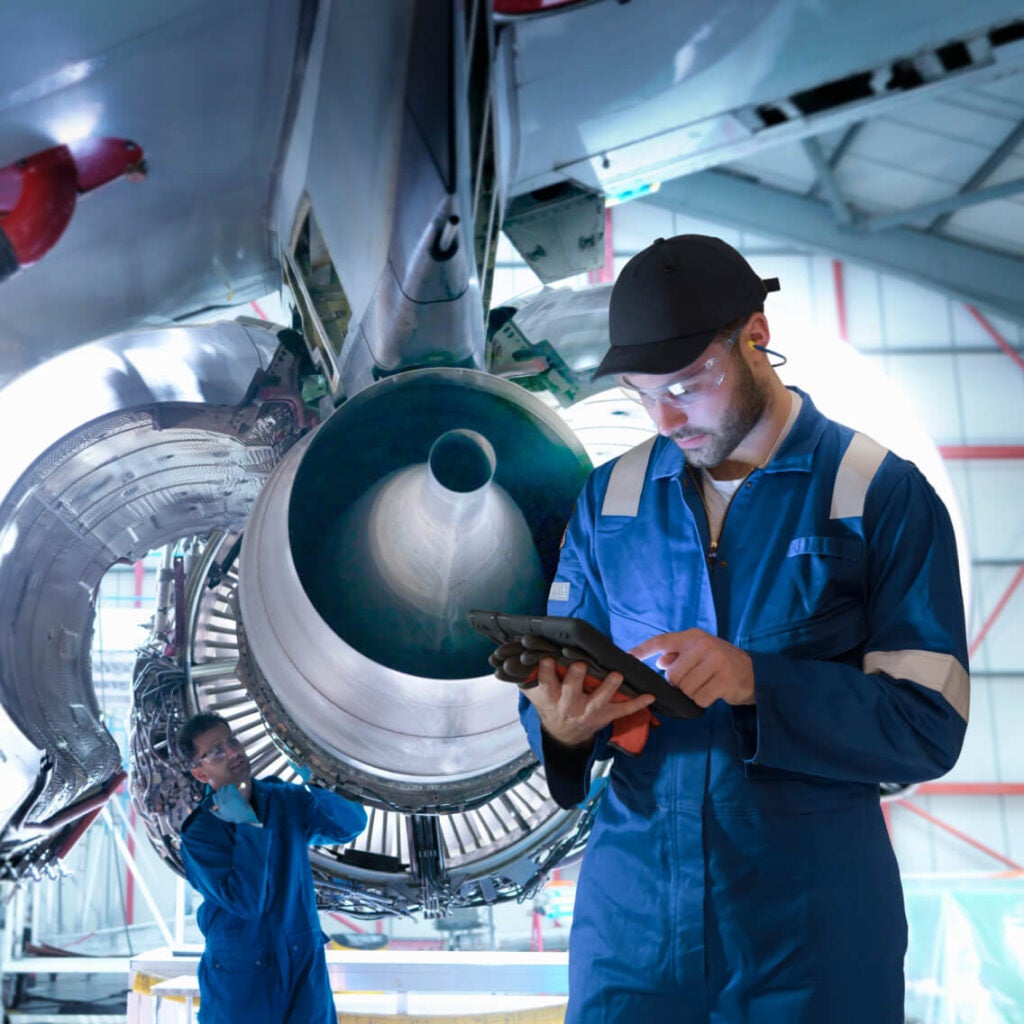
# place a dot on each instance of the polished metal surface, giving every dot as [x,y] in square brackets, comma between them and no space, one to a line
[426,544]
[381,153]
[136,453]
[573,320]
[19,768]
[405,739]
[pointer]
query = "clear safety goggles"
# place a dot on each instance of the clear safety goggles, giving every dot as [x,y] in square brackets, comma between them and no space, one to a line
[220,751]
[689,390]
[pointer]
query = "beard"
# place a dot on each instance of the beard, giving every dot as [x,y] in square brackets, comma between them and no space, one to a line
[751,399]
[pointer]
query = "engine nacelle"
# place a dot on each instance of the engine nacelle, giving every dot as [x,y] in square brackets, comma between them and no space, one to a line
[425,495]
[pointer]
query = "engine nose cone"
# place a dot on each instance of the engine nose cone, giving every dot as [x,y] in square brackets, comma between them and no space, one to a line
[425,544]
[425,495]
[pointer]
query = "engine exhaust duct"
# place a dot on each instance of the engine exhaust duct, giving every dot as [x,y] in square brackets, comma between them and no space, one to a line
[426,494]
[427,543]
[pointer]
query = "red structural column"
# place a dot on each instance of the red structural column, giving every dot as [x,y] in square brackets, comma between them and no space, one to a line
[839,286]
[996,336]
[997,611]
[140,577]
[946,827]
[970,789]
[982,451]
[537,934]
[957,452]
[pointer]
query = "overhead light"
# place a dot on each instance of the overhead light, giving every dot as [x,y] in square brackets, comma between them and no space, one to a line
[636,192]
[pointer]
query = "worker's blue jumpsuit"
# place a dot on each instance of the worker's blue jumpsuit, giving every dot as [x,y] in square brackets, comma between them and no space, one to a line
[264,955]
[739,869]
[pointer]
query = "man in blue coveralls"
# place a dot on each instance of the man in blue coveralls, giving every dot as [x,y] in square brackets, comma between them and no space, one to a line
[800,583]
[246,849]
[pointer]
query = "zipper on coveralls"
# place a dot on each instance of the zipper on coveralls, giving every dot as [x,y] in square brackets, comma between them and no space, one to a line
[711,554]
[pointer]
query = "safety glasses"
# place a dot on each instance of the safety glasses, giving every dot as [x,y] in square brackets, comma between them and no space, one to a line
[685,391]
[220,751]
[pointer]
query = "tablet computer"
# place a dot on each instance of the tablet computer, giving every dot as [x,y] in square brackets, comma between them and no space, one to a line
[578,640]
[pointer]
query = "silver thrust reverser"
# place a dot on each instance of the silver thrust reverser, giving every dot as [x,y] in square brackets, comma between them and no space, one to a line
[425,495]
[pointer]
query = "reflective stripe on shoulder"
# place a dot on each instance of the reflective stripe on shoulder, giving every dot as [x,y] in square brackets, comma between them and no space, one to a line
[939,672]
[626,482]
[856,471]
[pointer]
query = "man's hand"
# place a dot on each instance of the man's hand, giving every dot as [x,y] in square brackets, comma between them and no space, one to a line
[705,667]
[229,805]
[570,715]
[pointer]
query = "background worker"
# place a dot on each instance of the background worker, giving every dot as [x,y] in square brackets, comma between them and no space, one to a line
[800,583]
[246,849]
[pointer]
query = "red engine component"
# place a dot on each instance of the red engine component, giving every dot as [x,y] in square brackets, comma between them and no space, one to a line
[38,193]
[528,7]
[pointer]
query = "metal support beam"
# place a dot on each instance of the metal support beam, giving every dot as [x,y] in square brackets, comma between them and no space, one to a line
[851,133]
[827,181]
[638,155]
[982,277]
[839,287]
[1003,601]
[992,163]
[605,274]
[924,351]
[963,836]
[996,336]
[960,201]
[68,965]
[130,863]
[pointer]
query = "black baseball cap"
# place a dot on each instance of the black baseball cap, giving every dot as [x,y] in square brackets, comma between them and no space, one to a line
[671,299]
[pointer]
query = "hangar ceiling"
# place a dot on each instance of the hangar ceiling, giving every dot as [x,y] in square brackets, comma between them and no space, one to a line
[932,191]
[905,153]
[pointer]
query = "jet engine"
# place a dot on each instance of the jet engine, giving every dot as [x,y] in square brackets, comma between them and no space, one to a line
[426,495]
[314,592]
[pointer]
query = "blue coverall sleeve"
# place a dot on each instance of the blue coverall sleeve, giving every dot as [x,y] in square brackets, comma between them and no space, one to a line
[330,818]
[901,715]
[229,864]
[577,592]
